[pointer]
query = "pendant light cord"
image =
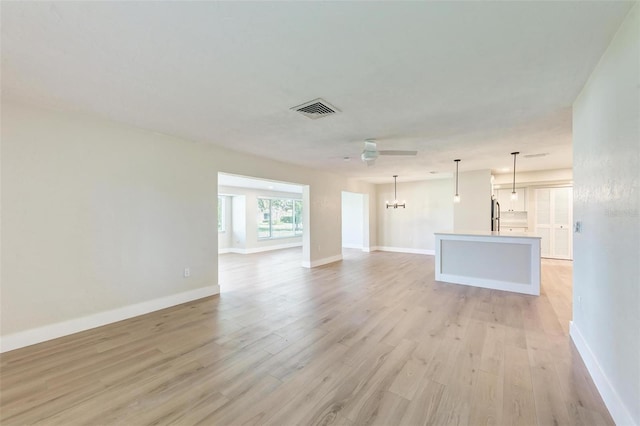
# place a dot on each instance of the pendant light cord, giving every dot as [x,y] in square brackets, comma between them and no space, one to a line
[457,162]
[513,189]
[395,188]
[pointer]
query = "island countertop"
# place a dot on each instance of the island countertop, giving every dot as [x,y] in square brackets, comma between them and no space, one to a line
[489,234]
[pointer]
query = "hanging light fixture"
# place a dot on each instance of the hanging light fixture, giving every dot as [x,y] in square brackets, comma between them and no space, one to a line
[395,203]
[456,198]
[514,194]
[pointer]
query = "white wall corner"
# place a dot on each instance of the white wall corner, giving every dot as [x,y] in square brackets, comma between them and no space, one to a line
[617,409]
[320,262]
[353,246]
[259,249]
[76,325]
[274,247]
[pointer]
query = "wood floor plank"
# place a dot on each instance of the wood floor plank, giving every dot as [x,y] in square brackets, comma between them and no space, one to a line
[519,403]
[486,399]
[422,408]
[550,404]
[373,339]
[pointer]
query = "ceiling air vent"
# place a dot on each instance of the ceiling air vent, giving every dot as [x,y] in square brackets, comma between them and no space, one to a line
[316,108]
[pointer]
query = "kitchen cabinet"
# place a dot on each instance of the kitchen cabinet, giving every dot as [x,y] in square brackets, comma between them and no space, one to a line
[554,215]
[509,205]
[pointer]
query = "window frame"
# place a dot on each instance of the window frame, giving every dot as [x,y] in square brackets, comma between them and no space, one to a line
[296,220]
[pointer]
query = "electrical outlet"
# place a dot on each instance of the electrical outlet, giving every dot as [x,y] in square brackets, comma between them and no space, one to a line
[187,272]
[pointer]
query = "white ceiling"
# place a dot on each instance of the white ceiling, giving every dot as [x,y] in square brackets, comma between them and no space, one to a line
[225,179]
[468,80]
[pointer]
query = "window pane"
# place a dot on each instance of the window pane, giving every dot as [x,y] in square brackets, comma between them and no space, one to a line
[264,206]
[220,210]
[281,218]
[297,217]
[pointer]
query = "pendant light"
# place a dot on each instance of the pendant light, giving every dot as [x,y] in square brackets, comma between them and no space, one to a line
[395,203]
[456,198]
[514,194]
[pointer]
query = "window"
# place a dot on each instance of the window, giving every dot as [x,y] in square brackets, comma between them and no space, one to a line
[279,218]
[220,214]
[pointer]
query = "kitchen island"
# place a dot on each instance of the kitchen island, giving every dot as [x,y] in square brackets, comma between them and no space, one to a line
[507,261]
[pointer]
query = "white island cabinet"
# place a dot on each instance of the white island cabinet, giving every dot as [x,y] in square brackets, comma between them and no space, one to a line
[500,261]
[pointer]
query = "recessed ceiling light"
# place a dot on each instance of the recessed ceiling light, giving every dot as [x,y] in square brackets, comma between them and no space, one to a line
[270,186]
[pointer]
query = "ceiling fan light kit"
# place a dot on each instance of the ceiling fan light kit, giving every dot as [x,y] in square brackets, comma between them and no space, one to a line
[370,152]
[395,204]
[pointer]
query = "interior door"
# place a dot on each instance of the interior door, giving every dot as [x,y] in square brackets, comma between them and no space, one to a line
[553,222]
[562,237]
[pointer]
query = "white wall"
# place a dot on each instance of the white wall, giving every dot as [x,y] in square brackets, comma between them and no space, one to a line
[535,178]
[429,209]
[606,283]
[96,216]
[352,220]
[225,237]
[239,218]
[473,212]
[99,219]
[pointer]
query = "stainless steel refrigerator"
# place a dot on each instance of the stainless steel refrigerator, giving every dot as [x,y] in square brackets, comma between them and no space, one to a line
[495,215]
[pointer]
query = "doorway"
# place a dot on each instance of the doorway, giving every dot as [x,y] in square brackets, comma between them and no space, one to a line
[355,221]
[554,219]
[258,215]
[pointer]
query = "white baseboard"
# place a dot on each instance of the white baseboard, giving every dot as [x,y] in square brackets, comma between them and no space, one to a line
[321,262]
[64,328]
[404,250]
[616,407]
[259,249]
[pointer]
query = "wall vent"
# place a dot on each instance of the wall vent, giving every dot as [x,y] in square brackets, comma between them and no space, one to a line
[316,108]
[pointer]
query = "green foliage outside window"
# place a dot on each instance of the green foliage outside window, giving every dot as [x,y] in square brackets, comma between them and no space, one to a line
[279,218]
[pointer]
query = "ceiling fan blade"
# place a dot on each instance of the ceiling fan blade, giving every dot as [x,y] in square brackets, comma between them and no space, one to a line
[397,152]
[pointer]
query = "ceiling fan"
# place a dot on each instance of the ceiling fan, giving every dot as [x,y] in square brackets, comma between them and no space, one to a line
[371,153]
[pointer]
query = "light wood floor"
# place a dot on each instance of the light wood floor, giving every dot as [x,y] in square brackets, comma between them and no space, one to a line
[370,340]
